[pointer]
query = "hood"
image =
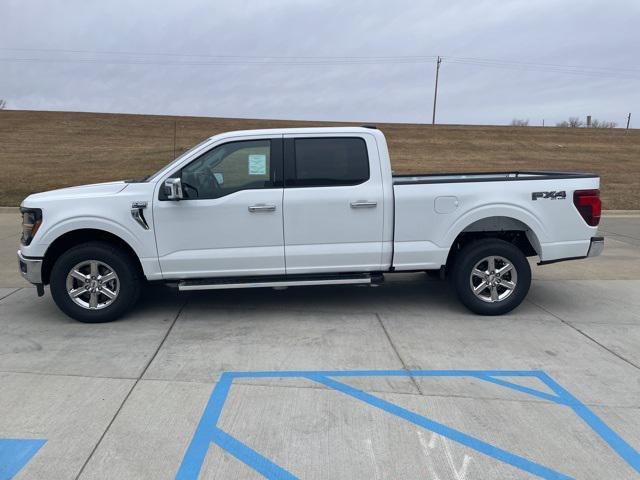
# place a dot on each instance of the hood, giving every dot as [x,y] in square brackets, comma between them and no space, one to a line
[83,191]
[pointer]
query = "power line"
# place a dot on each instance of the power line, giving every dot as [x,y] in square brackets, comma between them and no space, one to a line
[240,57]
[416,58]
[267,62]
[191,60]
[216,62]
[542,65]
[570,71]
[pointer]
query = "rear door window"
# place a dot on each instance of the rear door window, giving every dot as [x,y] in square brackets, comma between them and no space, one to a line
[327,162]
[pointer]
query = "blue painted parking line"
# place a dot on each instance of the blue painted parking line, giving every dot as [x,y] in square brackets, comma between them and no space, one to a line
[622,448]
[249,456]
[15,453]
[523,389]
[208,431]
[441,429]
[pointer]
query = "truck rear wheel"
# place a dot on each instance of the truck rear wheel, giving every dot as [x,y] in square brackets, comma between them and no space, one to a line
[491,277]
[95,282]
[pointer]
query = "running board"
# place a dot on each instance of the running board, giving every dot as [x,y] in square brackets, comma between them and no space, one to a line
[219,284]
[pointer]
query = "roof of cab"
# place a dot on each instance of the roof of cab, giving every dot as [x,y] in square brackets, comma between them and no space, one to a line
[297,131]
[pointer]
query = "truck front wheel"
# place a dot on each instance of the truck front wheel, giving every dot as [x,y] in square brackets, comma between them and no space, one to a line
[491,277]
[95,282]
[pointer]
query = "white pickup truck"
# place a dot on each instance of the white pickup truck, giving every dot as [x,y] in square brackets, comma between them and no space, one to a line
[310,206]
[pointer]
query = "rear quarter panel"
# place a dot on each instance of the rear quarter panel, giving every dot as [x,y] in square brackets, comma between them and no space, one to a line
[423,237]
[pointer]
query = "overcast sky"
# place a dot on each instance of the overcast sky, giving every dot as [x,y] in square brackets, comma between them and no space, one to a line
[182,50]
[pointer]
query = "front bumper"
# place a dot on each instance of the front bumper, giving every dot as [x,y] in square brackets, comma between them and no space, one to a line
[30,268]
[596,247]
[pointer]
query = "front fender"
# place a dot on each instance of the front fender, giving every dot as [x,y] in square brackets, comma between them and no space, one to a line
[89,222]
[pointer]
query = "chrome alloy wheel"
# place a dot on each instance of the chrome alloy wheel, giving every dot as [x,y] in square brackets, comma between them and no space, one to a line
[493,279]
[93,285]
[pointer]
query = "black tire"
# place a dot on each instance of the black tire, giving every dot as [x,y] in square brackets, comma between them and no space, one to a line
[470,256]
[128,278]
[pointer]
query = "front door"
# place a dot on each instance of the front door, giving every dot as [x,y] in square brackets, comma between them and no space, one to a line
[333,204]
[230,220]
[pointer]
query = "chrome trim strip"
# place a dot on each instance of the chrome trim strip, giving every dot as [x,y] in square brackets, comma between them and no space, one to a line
[284,283]
[138,216]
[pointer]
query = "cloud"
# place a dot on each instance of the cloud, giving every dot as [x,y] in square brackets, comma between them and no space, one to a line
[588,33]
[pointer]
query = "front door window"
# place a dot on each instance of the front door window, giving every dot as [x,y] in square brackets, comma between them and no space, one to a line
[229,168]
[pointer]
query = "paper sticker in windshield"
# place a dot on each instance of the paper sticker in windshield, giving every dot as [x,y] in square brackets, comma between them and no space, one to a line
[257,164]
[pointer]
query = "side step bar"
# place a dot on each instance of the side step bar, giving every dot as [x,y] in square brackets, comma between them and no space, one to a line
[275,282]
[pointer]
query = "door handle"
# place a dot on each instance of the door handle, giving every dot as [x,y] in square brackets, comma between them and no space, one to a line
[363,204]
[261,207]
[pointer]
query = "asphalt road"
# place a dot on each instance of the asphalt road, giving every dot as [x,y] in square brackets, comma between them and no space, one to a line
[418,388]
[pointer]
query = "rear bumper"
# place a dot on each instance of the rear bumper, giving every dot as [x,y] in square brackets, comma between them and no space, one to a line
[596,247]
[30,268]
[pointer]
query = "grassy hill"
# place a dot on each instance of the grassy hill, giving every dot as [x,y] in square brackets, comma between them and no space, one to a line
[45,150]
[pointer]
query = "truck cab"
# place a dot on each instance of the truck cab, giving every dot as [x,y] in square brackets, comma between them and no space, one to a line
[320,190]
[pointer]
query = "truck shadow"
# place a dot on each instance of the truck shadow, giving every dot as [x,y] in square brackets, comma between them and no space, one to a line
[407,293]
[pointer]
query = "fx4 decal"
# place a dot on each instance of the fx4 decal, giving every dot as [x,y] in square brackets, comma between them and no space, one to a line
[561,195]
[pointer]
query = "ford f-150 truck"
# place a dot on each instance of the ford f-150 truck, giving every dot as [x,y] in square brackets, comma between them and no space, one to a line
[310,206]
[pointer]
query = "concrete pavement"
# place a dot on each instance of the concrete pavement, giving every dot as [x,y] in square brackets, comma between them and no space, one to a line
[125,400]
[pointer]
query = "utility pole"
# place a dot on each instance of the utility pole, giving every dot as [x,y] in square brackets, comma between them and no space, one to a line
[175,128]
[435,93]
[628,120]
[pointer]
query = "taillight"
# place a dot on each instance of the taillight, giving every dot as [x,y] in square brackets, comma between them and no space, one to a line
[589,205]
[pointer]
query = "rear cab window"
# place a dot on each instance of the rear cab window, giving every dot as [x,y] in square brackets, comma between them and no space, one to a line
[326,161]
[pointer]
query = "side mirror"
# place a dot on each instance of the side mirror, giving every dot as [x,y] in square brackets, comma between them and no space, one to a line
[173,189]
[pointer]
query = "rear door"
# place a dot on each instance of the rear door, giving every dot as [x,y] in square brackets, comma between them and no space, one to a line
[333,204]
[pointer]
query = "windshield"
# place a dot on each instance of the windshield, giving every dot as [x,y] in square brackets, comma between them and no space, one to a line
[150,178]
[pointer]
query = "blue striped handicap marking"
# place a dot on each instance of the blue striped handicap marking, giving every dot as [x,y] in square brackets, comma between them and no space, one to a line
[208,431]
[15,454]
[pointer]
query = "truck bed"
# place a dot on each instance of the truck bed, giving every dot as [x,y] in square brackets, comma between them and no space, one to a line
[485,177]
[430,211]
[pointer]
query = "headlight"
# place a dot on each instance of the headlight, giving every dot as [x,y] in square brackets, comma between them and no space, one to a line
[31,221]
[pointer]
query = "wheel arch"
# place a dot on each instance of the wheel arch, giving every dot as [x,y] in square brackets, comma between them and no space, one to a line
[77,237]
[503,227]
[490,212]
